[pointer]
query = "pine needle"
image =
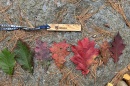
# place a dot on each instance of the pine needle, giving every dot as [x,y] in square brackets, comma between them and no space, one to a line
[118,7]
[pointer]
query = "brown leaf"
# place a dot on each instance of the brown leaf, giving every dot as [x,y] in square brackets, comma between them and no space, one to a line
[105,52]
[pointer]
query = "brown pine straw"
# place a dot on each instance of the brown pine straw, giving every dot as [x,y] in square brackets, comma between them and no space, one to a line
[119,75]
[105,33]
[69,78]
[7,18]
[18,74]
[116,5]
[59,16]
[20,17]
[26,20]
[67,1]
[3,35]
[27,36]
[4,9]
[85,15]
[93,68]
[71,1]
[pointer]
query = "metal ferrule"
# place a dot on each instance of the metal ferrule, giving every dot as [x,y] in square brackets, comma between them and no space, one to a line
[31,29]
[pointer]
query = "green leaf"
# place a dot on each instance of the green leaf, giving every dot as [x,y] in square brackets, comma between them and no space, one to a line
[7,61]
[24,56]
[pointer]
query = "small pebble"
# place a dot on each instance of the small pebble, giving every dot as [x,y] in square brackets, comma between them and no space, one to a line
[48,72]
[94,36]
[121,83]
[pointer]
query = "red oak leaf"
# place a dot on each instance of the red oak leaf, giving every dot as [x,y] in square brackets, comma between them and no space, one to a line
[59,52]
[84,55]
[41,50]
[105,52]
[117,47]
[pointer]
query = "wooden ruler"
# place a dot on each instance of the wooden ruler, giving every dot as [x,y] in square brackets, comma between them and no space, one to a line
[64,27]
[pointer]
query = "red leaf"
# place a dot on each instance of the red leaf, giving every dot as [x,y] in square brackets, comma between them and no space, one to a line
[59,53]
[117,47]
[84,55]
[105,52]
[41,50]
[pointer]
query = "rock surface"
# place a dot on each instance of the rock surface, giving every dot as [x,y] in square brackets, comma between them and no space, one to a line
[121,83]
[40,12]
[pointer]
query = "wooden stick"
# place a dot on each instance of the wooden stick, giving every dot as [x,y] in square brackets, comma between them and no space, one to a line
[64,27]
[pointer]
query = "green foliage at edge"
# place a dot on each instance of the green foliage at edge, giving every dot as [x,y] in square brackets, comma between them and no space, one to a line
[7,61]
[24,56]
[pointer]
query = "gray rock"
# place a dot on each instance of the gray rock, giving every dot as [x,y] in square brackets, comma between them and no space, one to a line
[45,11]
[121,83]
